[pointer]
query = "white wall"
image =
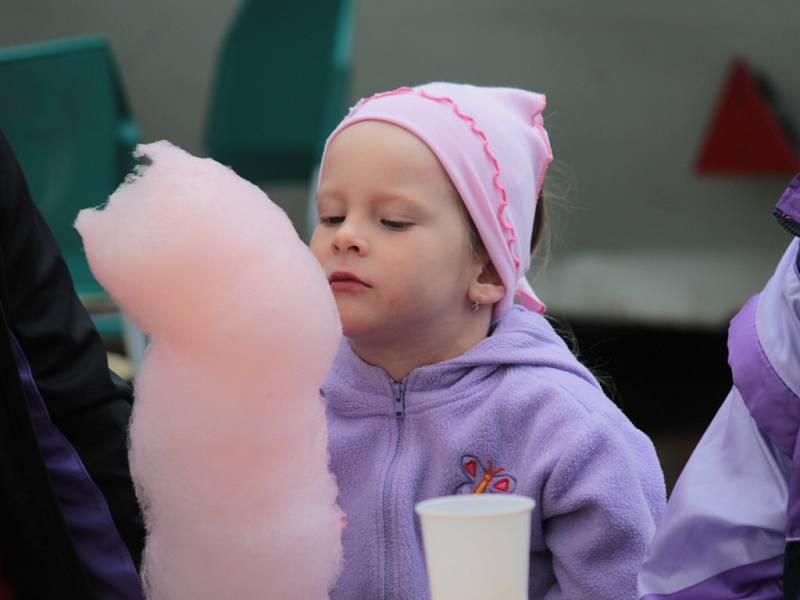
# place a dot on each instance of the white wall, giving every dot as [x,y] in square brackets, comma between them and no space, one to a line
[631,87]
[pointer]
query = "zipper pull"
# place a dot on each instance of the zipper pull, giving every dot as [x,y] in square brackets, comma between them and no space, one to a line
[399,399]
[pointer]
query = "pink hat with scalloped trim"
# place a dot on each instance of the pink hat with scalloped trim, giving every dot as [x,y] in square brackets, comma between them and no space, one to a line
[493,145]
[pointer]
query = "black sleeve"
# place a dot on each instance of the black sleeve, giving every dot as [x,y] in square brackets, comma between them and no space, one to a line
[89,404]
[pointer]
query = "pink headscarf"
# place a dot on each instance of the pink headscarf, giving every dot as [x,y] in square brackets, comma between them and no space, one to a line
[493,145]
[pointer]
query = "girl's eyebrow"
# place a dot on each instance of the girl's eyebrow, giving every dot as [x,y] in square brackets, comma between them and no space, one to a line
[327,193]
[404,201]
[336,197]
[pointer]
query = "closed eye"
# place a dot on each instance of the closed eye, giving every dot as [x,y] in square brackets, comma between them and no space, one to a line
[395,225]
[331,220]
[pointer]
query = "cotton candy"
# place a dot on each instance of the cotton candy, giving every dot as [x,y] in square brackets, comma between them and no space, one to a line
[228,441]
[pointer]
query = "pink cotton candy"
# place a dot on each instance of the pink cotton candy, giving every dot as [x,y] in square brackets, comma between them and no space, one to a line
[228,442]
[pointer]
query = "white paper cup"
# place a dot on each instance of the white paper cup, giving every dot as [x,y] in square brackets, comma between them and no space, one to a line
[477,546]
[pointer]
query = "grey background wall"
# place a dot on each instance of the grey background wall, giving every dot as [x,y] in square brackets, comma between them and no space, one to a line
[631,88]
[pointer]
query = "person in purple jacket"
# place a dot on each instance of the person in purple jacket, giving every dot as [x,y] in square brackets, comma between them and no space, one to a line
[426,203]
[732,526]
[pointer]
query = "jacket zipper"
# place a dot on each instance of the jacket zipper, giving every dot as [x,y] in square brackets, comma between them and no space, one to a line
[399,395]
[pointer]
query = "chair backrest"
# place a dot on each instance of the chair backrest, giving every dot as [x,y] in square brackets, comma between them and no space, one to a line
[63,109]
[281,86]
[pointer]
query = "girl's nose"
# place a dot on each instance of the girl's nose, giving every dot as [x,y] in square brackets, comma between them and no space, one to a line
[347,239]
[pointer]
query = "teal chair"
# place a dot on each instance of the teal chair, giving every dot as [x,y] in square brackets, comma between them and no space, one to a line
[281,87]
[63,109]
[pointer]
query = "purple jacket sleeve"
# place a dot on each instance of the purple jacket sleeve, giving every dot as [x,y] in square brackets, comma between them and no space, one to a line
[723,533]
[600,508]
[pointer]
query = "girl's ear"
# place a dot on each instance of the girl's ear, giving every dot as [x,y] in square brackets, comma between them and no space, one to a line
[486,287]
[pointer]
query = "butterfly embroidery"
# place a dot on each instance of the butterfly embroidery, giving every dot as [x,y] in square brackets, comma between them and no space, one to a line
[484,479]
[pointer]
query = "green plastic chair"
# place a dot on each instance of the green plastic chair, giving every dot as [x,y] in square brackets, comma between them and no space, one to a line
[281,87]
[64,111]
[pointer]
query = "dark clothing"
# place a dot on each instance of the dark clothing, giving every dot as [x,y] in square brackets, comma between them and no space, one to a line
[42,316]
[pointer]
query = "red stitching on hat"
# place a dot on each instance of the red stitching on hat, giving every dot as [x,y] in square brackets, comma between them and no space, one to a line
[510,234]
[538,122]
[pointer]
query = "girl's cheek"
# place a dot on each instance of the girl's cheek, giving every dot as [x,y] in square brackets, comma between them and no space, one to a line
[318,240]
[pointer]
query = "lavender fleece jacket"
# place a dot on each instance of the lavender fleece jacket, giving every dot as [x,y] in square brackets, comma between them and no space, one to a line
[520,399]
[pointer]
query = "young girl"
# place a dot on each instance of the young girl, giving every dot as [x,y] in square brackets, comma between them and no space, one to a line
[426,206]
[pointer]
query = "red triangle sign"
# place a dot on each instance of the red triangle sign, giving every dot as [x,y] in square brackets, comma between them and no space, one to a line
[745,136]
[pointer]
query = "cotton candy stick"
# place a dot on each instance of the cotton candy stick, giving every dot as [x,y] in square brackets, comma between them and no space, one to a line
[228,440]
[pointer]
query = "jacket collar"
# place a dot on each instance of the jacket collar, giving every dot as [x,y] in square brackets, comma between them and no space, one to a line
[518,337]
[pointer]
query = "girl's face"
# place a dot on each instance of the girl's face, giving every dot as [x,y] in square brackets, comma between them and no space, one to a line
[393,236]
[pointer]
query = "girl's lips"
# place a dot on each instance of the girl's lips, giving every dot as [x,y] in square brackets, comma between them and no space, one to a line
[341,281]
[347,286]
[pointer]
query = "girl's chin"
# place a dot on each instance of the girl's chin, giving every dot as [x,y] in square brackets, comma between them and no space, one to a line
[356,327]
[354,330]
[364,323]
